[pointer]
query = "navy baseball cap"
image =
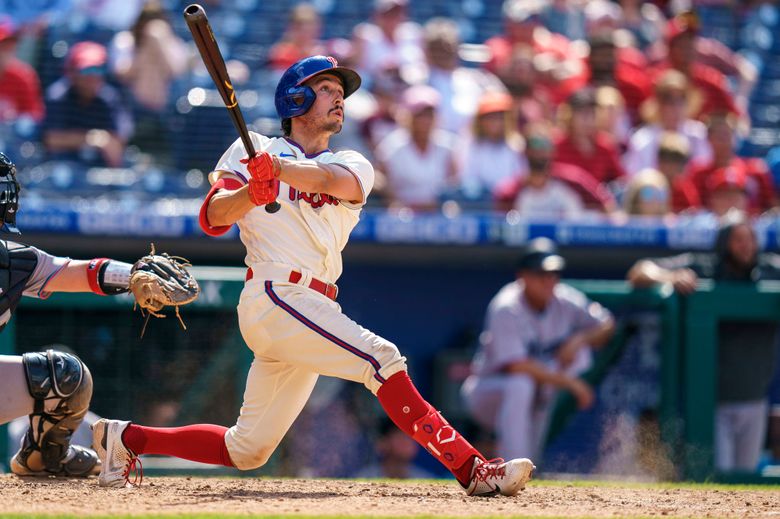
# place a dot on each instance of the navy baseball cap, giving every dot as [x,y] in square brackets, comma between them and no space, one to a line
[541,255]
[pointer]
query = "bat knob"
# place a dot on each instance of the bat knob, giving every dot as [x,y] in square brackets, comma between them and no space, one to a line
[272,207]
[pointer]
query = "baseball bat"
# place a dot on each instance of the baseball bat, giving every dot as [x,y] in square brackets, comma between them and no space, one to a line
[199,26]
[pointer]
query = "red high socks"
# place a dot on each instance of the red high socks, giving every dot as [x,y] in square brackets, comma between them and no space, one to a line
[204,443]
[406,407]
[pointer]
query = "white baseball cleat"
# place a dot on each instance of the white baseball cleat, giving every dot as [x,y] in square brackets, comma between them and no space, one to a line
[497,476]
[118,460]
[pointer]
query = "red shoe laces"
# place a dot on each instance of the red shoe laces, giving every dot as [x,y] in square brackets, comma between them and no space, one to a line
[136,468]
[494,468]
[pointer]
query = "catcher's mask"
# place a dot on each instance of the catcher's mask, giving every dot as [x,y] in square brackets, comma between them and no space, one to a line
[9,195]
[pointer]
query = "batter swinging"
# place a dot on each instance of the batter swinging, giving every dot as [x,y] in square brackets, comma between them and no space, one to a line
[288,313]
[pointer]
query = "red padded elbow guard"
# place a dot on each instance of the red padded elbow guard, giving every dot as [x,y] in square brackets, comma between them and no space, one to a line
[222,183]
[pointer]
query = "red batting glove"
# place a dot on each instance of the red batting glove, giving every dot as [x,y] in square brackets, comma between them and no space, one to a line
[262,166]
[264,169]
[263,192]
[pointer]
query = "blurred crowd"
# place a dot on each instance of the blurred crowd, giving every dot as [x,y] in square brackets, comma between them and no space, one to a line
[569,109]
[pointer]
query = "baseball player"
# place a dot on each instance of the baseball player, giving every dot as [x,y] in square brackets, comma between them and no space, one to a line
[287,312]
[52,387]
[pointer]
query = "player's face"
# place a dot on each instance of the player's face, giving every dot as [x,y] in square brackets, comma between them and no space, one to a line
[327,112]
[540,286]
[742,245]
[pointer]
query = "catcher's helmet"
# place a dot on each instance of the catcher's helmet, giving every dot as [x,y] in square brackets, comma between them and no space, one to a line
[9,195]
[293,98]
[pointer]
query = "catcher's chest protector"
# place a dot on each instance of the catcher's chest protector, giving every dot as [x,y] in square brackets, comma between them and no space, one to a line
[17,263]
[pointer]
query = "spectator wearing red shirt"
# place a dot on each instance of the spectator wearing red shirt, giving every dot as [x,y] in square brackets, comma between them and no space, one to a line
[583,145]
[532,100]
[607,65]
[673,156]
[301,38]
[547,179]
[523,26]
[713,53]
[726,189]
[681,33]
[759,184]
[20,89]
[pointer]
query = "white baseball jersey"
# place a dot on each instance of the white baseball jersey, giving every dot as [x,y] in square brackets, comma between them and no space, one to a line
[295,332]
[311,229]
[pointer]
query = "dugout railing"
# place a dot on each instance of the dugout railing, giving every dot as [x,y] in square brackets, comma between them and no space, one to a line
[688,349]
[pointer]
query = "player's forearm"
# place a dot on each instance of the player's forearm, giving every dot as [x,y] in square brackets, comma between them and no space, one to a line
[599,335]
[68,140]
[65,140]
[646,274]
[227,207]
[101,276]
[312,177]
[538,372]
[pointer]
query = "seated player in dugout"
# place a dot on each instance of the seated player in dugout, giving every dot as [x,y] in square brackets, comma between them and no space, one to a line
[538,337]
[287,312]
[54,388]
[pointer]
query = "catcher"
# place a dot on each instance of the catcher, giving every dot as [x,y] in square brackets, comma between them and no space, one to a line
[52,387]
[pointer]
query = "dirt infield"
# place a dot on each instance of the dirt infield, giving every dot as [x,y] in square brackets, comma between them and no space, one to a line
[171,495]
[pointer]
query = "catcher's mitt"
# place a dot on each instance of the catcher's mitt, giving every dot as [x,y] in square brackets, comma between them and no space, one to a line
[160,280]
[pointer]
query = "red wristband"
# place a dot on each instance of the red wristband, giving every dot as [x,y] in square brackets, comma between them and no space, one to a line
[93,273]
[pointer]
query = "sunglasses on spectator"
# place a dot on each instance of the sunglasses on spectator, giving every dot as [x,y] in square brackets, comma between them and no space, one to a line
[652,194]
[672,156]
[672,98]
[539,143]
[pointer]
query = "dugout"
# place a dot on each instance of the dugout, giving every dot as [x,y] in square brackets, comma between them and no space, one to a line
[412,305]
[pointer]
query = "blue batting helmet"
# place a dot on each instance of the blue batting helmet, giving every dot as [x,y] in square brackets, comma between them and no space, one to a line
[293,98]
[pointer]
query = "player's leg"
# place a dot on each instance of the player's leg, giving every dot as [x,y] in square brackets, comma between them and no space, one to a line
[15,399]
[505,405]
[54,389]
[311,332]
[751,424]
[275,394]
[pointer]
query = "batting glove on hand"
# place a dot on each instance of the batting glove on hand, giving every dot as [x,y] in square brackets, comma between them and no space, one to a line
[264,170]
[263,166]
[262,192]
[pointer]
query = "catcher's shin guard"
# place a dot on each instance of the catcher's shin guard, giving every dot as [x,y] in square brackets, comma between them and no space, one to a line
[446,444]
[62,387]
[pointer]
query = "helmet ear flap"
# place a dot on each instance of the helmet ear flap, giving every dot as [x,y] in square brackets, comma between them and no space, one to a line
[299,100]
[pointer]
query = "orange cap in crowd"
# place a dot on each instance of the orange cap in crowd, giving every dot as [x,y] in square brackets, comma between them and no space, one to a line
[493,102]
